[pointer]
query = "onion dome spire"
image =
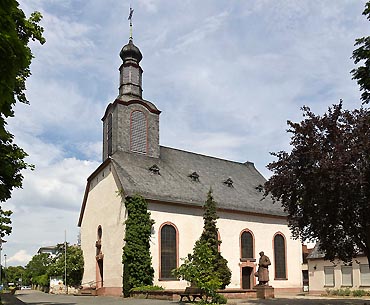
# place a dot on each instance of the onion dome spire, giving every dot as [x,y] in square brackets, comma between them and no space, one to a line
[130,70]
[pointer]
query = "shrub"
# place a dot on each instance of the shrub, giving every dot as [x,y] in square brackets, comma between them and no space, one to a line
[219,299]
[359,293]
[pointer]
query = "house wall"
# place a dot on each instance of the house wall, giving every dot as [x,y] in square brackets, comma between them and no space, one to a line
[103,208]
[317,275]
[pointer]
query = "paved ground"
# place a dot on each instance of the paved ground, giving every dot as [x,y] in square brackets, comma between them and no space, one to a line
[39,298]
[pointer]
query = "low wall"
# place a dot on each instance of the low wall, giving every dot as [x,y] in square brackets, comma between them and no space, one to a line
[174,295]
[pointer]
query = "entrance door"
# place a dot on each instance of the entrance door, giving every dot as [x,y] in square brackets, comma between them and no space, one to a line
[99,275]
[246,277]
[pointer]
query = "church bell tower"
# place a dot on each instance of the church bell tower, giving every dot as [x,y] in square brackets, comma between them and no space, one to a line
[130,123]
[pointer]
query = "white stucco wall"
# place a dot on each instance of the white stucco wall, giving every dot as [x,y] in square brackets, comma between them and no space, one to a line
[189,223]
[317,276]
[104,208]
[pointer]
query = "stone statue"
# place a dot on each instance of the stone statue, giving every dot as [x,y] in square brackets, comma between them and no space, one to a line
[263,269]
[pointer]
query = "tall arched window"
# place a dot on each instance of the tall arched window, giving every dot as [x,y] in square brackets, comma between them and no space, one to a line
[168,245]
[109,134]
[246,244]
[279,257]
[138,132]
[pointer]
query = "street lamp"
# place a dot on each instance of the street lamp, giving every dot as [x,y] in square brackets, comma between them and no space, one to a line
[6,282]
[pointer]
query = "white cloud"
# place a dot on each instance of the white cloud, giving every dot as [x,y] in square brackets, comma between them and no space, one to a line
[19,258]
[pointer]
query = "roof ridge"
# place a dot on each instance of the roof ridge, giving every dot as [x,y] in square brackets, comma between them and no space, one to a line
[203,155]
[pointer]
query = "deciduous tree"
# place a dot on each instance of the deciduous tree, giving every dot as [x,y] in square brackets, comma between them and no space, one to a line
[36,267]
[362,55]
[16,31]
[324,182]
[74,264]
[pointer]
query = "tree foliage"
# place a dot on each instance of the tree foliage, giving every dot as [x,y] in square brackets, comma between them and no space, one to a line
[74,264]
[5,222]
[13,274]
[205,267]
[36,267]
[324,182]
[136,258]
[16,31]
[210,235]
[198,268]
[362,54]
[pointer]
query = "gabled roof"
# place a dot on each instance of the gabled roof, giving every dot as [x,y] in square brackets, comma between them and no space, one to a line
[173,182]
[168,179]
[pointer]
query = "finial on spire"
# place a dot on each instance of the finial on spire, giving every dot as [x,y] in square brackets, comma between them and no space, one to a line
[130,18]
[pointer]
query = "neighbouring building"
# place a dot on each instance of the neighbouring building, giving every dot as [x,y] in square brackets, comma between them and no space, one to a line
[324,274]
[175,184]
[51,250]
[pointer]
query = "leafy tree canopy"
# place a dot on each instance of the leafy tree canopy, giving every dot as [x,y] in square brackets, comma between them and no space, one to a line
[16,31]
[362,55]
[324,182]
[5,222]
[14,274]
[37,266]
[74,264]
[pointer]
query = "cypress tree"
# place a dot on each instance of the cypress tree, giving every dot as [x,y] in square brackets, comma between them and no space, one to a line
[210,236]
[136,259]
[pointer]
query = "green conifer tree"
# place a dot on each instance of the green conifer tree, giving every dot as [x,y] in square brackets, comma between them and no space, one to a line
[210,236]
[136,259]
[205,267]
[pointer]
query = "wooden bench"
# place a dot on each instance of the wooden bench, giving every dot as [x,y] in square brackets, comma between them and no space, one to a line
[191,292]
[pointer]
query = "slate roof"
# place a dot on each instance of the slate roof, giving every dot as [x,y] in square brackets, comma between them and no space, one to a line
[174,184]
[316,252]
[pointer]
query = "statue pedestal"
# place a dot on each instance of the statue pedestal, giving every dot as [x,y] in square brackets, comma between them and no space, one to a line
[264,292]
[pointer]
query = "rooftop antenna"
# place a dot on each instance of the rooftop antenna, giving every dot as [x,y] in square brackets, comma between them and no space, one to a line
[130,18]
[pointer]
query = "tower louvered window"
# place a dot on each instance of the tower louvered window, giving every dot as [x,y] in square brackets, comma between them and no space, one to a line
[279,253]
[138,132]
[109,134]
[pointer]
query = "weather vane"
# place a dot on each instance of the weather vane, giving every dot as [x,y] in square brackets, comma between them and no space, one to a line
[130,18]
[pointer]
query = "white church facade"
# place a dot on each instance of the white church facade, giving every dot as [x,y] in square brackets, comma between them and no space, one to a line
[175,185]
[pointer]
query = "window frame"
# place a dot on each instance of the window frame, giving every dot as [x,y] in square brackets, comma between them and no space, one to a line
[161,275]
[133,148]
[284,258]
[326,284]
[246,231]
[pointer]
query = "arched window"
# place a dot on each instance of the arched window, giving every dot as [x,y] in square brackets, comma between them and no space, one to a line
[279,257]
[109,134]
[168,248]
[138,132]
[98,242]
[246,244]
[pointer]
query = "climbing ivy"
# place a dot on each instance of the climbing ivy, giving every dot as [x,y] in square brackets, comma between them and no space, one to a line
[136,259]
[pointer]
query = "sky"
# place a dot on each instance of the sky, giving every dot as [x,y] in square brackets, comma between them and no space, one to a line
[227,75]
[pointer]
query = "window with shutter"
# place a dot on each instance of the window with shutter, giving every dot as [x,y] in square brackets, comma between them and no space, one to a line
[347,276]
[329,276]
[138,132]
[364,275]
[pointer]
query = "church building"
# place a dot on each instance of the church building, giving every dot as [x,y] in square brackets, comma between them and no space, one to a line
[175,184]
